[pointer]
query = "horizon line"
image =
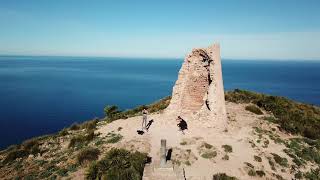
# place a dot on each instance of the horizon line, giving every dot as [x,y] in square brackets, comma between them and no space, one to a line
[152,57]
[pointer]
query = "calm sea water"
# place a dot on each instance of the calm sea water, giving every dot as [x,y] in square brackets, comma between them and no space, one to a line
[41,95]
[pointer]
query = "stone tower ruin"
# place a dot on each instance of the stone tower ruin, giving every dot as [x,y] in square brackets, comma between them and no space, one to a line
[199,89]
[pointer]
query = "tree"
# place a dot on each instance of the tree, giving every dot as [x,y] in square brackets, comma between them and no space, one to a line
[110,111]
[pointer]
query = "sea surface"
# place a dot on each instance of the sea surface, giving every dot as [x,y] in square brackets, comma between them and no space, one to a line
[41,95]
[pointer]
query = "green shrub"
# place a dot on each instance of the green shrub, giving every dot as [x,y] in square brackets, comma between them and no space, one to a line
[270,119]
[118,164]
[252,172]
[257,158]
[28,147]
[227,148]
[32,146]
[292,116]
[74,127]
[254,109]
[313,174]
[81,140]
[112,113]
[63,132]
[249,165]
[208,146]
[113,138]
[280,160]
[209,155]
[89,125]
[14,154]
[225,157]
[260,173]
[183,143]
[298,175]
[222,176]
[87,155]
[187,163]
[62,172]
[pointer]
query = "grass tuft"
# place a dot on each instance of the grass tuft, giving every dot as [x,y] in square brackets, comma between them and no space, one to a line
[254,109]
[87,155]
[227,148]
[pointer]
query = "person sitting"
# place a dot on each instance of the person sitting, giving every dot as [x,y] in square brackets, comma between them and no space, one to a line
[182,124]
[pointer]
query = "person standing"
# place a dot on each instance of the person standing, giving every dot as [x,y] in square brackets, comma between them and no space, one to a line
[144,119]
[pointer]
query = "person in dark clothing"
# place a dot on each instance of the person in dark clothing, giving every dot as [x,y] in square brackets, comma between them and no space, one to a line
[182,124]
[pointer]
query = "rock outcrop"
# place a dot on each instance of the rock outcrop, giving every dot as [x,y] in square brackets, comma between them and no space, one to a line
[199,89]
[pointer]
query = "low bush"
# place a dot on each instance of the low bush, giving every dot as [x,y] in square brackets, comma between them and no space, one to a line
[257,158]
[89,125]
[280,160]
[313,174]
[300,152]
[14,154]
[293,117]
[87,155]
[81,140]
[225,157]
[118,164]
[113,138]
[227,148]
[183,143]
[260,173]
[252,172]
[222,176]
[254,109]
[249,165]
[28,147]
[209,155]
[74,127]
[62,172]
[208,146]
[63,132]
[113,113]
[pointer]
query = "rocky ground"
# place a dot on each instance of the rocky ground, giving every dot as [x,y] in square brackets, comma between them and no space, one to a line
[252,147]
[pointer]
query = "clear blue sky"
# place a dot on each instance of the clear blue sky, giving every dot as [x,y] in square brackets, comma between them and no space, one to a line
[263,29]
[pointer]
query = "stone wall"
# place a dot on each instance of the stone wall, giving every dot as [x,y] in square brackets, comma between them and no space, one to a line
[199,87]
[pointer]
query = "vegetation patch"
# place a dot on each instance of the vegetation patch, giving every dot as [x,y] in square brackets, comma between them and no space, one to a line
[249,165]
[28,147]
[81,140]
[252,172]
[183,143]
[280,160]
[87,155]
[303,149]
[118,164]
[260,173]
[293,117]
[223,176]
[208,146]
[254,109]
[209,155]
[313,174]
[225,157]
[113,113]
[113,138]
[257,158]
[227,148]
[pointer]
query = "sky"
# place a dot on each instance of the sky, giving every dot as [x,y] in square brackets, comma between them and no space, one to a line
[245,29]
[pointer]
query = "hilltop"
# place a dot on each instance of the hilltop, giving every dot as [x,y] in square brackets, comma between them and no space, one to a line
[233,135]
[257,143]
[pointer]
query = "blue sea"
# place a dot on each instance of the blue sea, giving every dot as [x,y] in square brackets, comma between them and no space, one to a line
[41,95]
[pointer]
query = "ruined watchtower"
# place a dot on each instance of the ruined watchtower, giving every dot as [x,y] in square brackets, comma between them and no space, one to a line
[199,88]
